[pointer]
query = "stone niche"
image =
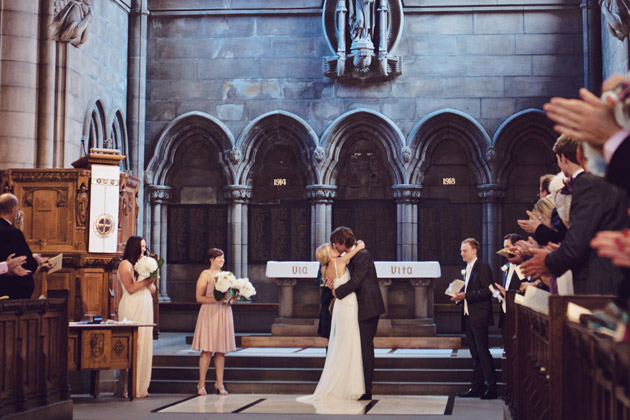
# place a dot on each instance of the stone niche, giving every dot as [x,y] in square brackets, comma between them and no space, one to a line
[362,34]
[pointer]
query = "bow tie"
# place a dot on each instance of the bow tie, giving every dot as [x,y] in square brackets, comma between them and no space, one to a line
[568,186]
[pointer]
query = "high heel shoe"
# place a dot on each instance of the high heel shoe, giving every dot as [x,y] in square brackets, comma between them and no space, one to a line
[201,390]
[220,391]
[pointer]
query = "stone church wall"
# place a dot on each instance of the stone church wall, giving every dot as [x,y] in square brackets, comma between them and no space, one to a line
[79,77]
[489,64]
[237,63]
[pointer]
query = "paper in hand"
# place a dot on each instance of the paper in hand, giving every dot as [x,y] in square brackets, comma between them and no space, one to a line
[505,253]
[455,287]
[56,262]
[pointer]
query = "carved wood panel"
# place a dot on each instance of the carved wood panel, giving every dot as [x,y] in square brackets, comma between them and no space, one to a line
[95,349]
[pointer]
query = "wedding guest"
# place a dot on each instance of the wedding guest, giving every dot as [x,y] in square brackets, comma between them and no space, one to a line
[476,318]
[511,280]
[214,332]
[136,305]
[544,182]
[596,205]
[13,242]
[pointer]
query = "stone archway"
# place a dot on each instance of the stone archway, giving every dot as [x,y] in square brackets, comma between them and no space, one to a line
[184,184]
[449,163]
[523,148]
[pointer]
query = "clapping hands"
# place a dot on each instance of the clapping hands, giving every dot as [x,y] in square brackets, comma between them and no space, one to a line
[614,245]
[15,265]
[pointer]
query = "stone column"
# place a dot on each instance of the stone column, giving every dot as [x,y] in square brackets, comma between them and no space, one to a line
[322,197]
[384,284]
[492,196]
[285,297]
[592,45]
[423,298]
[407,197]
[136,89]
[46,97]
[238,196]
[160,196]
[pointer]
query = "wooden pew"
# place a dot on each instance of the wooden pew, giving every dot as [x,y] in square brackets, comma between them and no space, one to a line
[557,369]
[34,359]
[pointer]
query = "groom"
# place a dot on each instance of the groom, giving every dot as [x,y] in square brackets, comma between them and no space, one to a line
[364,283]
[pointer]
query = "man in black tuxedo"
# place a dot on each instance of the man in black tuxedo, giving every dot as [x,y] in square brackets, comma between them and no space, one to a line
[364,283]
[12,241]
[595,205]
[511,281]
[476,318]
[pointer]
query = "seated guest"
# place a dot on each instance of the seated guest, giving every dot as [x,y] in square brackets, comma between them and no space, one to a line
[596,205]
[12,242]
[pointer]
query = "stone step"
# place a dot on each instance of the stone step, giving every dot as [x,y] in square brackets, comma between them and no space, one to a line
[307,362]
[307,387]
[265,341]
[312,374]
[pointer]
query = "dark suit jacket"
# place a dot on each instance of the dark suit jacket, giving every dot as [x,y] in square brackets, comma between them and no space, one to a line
[364,283]
[618,171]
[515,284]
[545,234]
[12,241]
[478,295]
[596,205]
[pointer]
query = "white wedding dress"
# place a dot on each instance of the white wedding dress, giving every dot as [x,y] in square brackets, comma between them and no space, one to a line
[342,377]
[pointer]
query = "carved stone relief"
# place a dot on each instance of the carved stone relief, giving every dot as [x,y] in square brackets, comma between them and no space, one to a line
[362,33]
[71,21]
[617,15]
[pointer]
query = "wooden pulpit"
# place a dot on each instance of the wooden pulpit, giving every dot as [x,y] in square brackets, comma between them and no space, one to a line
[56,206]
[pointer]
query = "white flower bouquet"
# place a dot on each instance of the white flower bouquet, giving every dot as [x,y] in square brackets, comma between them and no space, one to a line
[226,282]
[147,267]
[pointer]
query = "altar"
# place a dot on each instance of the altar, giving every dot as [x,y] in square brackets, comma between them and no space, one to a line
[406,286]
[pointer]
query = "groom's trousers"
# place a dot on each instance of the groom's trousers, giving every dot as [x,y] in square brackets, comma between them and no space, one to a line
[367,330]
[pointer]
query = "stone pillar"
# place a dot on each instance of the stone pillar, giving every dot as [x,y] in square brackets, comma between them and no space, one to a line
[285,297]
[46,98]
[407,197]
[592,45]
[423,298]
[492,196]
[136,89]
[238,197]
[160,196]
[322,197]
[384,284]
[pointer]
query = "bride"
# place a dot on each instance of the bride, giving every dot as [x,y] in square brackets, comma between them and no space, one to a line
[342,377]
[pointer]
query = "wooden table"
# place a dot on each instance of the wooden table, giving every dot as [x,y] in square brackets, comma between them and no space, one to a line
[96,347]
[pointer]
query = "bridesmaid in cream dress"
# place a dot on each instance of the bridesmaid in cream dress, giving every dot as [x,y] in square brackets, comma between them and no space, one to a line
[214,332]
[136,305]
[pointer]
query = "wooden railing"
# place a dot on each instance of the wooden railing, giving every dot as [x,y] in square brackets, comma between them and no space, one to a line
[34,357]
[556,369]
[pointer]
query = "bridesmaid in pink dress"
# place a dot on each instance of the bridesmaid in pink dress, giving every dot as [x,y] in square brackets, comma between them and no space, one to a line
[214,332]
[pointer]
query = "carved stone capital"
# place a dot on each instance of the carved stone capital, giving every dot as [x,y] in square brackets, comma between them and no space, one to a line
[385,282]
[322,194]
[491,193]
[238,193]
[420,282]
[160,194]
[286,282]
[407,193]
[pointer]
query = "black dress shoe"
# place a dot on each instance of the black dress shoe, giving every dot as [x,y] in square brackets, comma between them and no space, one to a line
[471,393]
[490,394]
[365,397]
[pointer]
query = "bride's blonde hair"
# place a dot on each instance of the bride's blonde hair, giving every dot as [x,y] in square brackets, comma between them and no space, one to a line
[322,254]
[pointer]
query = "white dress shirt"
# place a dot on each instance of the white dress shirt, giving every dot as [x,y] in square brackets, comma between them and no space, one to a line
[469,268]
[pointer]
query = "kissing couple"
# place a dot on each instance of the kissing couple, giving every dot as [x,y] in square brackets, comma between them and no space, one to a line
[349,366]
